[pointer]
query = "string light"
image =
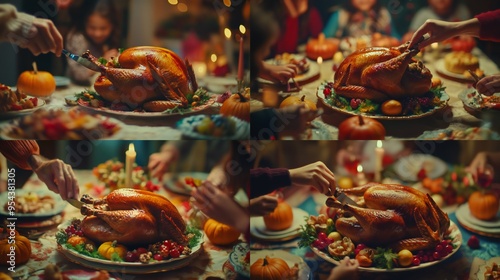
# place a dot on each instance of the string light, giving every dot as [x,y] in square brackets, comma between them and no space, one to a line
[173,2]
[242,29]
[182,7]
[227,3]
[227,32]
[213,57]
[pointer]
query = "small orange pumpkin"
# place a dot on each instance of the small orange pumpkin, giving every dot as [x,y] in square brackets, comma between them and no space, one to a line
[361,128]
[296,100]
[77,240]
[219,233]
[22,247]
[237,105]
[107,249]
[36,83]
[483,205]
[322,47]
[269,269]
[281,218]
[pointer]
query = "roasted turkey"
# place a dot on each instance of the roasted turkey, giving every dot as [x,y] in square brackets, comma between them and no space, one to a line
[382,73]
[152,77]
[396,216]
[132,217]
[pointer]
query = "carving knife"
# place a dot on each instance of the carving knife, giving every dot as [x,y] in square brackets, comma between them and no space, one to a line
[75,203]
[82,61]
[342,197]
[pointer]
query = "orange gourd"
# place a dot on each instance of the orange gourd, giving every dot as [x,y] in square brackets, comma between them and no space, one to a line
[281,218]
[361,128]
[107,249]
[269,269]
[322,47]
[483,205]
[296,100]
[237,105]
[36,83]
[77,240]
[22,247]
[219,233]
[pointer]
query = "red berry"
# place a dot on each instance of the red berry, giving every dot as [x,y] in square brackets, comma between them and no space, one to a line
[322,236]
[422,174]
[436,255]
[180,248]
[167,244]
[131,256]
[322,245]
[439,248]
[316,243]
[424,259]
[415,261]
[158,257]
[473,242]
[174,253]
[327,91]
[354,104]
[444,243]
[356,251]
[141,251]
[448,248]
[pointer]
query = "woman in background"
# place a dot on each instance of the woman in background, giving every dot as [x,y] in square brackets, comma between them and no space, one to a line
[96,29]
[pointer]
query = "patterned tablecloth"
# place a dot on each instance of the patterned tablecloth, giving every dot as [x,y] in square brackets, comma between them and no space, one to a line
[212,262]
[457,266]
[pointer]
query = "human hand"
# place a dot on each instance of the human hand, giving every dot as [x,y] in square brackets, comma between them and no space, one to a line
[42,37]
[346,270]
[217,177]
[297,119]
[219,206]
[279,73]
[489,85]
[57,175]
[262,205]
[478,164]
[108,55]
[315,174]
[160,162]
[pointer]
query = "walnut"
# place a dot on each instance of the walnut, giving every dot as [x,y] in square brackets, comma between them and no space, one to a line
[144,257]
[341,248]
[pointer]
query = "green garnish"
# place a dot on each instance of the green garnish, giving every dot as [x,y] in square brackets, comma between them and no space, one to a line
[121,50]
[193,241]
[115,257]
[384,258]
[80,248]
[102,60]
[307,234]
[85,95]
[61,237]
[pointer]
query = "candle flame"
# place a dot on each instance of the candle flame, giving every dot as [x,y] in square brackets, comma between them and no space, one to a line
[173,2]
[242,29]
[434,45]
[379,144]
[320,60]
[227,32]
[213,57]
[131,147]
[359,168]
[227,3]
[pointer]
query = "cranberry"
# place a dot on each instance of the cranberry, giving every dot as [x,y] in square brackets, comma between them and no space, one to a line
[436,255]
[448,248]
[361,246]
[354,104]
[141,251]
[356,251]
[473,242]
[415,261]
[327,92]
[444,243]
[322,236]
[174,253]
[439,248]
[180,248]
[131,256]
[316,243]
[158,257]
[424,259]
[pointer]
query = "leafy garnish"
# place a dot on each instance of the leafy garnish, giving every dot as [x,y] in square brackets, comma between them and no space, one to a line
[307,235]
[102,60]
[115,257]
[196,235]
[121,50]
[88,95]
[61,237]
[384,258]
[80,248]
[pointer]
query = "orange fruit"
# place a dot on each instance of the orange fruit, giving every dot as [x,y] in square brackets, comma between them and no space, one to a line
[404,258]
[345,183]
[392,108]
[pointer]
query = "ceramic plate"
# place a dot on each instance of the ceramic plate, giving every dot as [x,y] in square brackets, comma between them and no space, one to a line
[441,70]
[455,235]
[258,228]
[12,114]
[59,204]
[464,212]
[309,76]
[477,271]
[473,106]
[188,127]
[124,114]
[290,259]
[478,133]
[408,167]
[322,98]
[176,183]
[62,81]
[128,267]
[237,259]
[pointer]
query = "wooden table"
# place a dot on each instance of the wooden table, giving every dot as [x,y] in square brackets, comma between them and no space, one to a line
[452,117]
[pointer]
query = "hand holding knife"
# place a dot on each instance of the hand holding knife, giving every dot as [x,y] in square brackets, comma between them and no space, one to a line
[82,61]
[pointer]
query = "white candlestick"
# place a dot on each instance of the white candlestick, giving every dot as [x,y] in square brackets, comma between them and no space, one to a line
[361,175]
[379,157]
[129,165]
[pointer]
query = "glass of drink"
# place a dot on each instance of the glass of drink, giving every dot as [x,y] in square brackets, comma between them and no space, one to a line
[485,177]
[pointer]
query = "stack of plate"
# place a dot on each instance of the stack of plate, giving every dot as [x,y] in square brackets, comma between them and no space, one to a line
[258,228]
[489,228]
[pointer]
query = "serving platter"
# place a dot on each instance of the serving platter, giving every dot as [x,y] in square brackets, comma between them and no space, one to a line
[129,267]
[407,168]
[473,106]
[321,96]
[122,115]
[455,235]
[176,183]
[237,259]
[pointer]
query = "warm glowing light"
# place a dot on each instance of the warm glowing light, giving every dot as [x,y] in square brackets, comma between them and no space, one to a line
[320,60]
[227,32]
[173,2]
[182,7]
[242,29]
[131,147]
[359,168]
[213,57]
[434,45]
[227,3]
[379,144]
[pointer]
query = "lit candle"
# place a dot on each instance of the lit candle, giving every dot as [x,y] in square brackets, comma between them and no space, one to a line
[319,60]
[379,156]
[240,61]
[129,165]
[361,175]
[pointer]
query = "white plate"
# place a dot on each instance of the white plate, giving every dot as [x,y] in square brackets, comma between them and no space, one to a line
[62,81]
[480,134]
[477,271]
[455,234]
[129,267]
[220,84]
[441,70]
[408,167]
[58,206]
[11,114]
[307,77]
[124,114]
[188,126]
[236,258]
[290,259]
[464,216]
[259,230]
[176,183]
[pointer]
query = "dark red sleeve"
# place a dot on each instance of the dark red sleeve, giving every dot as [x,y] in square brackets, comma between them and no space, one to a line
[266,180]
[315,23]
[489,22]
